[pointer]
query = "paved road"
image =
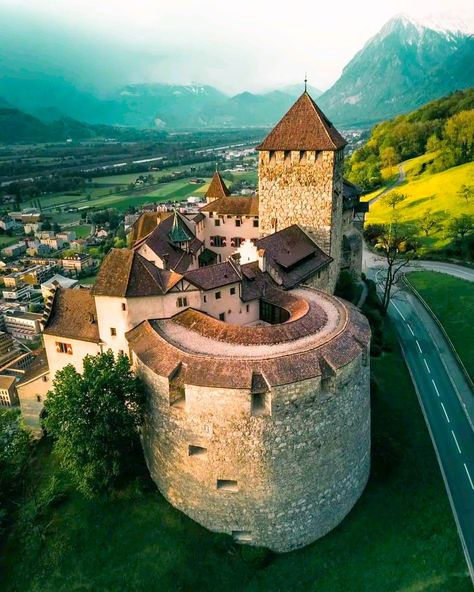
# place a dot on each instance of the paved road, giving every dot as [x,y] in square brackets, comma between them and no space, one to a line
[447,420]
[445,398]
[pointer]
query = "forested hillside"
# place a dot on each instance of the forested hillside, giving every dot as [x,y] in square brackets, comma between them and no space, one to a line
[444,126]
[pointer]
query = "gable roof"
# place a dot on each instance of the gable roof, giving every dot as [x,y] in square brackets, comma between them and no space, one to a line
[304,127]
[217,188]
[236,205]
[293,255]
[127,274]
[213,276]
[159,241]
[179,232]
[145,224]
[73,315]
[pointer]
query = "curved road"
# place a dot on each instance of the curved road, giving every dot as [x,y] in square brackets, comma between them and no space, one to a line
[445,397]
[396,183]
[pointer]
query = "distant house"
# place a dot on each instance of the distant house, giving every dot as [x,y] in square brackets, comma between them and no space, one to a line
[17,293]
[23,325]
[78,244]
[14,250]
[54,242]
[31,227]
[102,233]
[38,249]
[8,394]
[57,281]
[78,262]
[67,235]
[7,224]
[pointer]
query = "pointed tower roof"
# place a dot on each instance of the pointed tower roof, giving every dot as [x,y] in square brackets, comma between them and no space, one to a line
[179,233]
[304,127]
[217,188]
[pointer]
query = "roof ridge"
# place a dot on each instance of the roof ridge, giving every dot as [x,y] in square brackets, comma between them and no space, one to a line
[149,271]
[129,270]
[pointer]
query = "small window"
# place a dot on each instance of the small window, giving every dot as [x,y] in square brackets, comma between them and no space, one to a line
[217,222]
[181,302]
[218,295]
[113,331]
[63,348]
[38,398]
[194,450]
[222,316]
[255,223]
[227,485]
[260,404]
[247,307]
[124,306]
[205,298]
[232,291]
[121,352]
[44,379]
[238,222]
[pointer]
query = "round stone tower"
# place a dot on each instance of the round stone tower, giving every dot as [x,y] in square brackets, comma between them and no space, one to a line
[260,432]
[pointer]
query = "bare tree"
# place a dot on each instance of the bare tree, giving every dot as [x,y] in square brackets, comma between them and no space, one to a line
[398,244]
[393,198]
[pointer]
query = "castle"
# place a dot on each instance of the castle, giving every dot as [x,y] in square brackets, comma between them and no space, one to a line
[258,418]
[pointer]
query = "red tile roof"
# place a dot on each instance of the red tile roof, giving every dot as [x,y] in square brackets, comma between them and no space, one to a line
[236,205]
[125,273]
[213,276]
[217,188]
[73,315]
[304,127]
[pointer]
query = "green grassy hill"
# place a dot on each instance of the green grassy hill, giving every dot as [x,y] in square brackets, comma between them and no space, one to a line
[427,191]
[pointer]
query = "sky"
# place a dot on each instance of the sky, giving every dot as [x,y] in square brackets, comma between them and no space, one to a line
[246,45]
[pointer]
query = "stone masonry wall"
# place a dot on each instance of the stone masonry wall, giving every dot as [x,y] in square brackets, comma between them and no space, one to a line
[299,468]
[304,188]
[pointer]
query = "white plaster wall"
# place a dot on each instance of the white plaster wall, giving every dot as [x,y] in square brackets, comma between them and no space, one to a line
[235,310]
[229,230]
[80,349]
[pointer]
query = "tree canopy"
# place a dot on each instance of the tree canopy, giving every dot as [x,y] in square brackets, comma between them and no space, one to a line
[94,419]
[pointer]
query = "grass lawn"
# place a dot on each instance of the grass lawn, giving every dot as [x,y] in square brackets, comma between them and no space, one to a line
[399,537]
[437,192]
[5,240]
[452,301]
[81,231]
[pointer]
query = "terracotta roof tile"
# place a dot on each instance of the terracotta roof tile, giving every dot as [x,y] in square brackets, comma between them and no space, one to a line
[147,222]
[73,315]
[293,255]
[304,127]
[236,205]
[125,273]
[213,276]
[217,187]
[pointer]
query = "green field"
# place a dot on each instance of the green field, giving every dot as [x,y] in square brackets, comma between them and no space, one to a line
[452,301]
[82,231]
[437,192]
[400,537]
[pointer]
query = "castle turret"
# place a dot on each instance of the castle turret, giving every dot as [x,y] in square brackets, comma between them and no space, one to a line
[217,188]
[300,178]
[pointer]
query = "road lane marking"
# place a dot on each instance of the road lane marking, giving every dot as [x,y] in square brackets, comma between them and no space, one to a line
[456,440]
[419,346]
[469,476]
[399,311]
[427,367]
[435,387]
[410,329]
[444,409]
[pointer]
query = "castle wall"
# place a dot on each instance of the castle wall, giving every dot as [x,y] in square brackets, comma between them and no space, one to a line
[32,395]
[57,360]
[227,228]
[236,312]
[304,188]
[281,479]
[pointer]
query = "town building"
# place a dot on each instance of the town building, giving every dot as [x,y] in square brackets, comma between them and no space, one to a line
[8,394]
[257,377]
[22,325]
[57,281]
[14,250]
[77,262]
[8,348]
[21,291]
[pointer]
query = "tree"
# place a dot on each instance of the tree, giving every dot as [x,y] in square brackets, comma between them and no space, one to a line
[460,226]
[393,198]
[389,158]
[466,192]
[15,449]
[429,222]
[398,245]
[94,419]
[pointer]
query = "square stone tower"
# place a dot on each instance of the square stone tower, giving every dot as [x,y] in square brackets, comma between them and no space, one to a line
[300,179]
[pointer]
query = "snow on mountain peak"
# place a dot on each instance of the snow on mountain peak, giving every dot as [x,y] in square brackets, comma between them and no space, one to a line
[446,22]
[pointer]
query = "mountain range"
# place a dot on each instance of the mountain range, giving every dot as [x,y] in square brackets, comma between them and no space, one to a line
[402,67]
